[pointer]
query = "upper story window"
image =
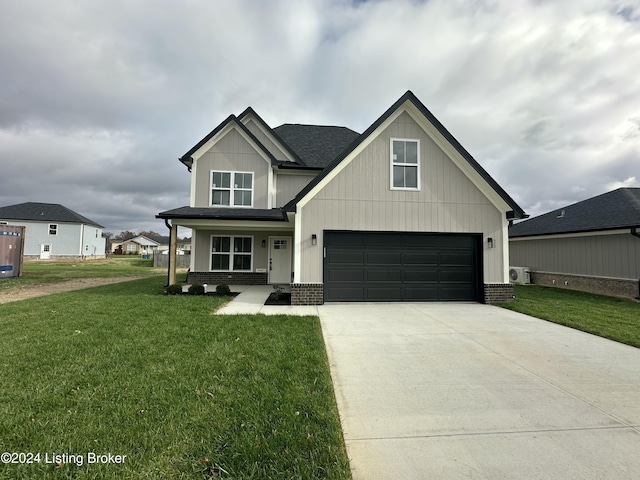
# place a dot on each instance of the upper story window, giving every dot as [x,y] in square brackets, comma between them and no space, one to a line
[405,164]
[53,229]
[231,189]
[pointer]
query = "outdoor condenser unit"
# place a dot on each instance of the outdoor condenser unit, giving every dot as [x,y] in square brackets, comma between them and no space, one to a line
[519,275]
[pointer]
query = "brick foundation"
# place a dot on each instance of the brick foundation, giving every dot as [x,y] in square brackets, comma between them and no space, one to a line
[229,278]
[497,292]
[617,287]
[307,294]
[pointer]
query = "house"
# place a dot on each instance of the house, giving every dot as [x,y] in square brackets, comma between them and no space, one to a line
[401,212]
[54,231]
[592,245]
[139,245]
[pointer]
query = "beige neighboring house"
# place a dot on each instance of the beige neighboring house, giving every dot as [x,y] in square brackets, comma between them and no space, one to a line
[140,245]
[400,212]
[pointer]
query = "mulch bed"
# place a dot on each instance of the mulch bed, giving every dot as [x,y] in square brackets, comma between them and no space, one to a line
[279,299]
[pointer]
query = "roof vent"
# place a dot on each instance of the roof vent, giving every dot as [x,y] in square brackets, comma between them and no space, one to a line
[561,214]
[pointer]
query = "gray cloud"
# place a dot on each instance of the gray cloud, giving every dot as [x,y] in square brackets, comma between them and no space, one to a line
[99,99]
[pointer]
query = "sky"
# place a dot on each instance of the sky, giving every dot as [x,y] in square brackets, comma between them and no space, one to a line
[98,99]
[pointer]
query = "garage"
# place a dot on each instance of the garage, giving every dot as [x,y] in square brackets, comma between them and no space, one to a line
[401,266]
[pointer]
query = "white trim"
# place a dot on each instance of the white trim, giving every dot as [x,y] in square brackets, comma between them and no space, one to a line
[231,252]
[594,233]
[297,246]
[192,196]
[392,164]
[57,229]
[505,250]
[251,118]
[290,243]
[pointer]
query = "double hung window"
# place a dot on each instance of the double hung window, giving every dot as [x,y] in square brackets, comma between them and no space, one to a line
[231,189]
[405,164]
[231,253]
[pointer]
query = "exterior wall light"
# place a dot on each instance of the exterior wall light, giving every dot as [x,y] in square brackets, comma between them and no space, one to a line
[490,242]
[264,243]
[314,239]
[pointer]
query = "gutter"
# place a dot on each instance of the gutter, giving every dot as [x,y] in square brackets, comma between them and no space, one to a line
[634,232]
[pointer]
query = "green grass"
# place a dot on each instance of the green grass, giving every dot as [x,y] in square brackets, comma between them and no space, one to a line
[37,272]
[609,317]
[182,393]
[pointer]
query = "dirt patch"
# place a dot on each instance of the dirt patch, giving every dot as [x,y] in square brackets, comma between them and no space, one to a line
[24,292]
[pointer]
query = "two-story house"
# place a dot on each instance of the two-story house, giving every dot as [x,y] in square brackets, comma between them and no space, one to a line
[401,212]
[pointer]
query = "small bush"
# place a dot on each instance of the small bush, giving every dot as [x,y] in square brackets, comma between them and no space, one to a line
[223,289]
[174,289]
[196,289]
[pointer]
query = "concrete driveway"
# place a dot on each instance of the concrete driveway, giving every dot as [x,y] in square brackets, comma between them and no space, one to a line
[430,391]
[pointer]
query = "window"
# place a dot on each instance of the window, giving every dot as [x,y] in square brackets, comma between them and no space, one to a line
[405,164]
[131,247]
[231,254]
[232,189]
[53,229]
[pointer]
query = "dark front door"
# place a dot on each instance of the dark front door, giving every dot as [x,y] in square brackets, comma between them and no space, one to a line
[398,267]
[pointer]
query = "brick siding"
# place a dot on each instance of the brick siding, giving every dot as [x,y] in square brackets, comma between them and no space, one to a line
[498,292]
[307,294]
[229,278]
[617,287]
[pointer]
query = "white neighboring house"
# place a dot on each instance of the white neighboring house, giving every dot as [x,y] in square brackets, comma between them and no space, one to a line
[53,230]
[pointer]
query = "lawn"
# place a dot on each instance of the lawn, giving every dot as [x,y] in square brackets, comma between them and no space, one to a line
[56,271]
[609,317]
[123,370]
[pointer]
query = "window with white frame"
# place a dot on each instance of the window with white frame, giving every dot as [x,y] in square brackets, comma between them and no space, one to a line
[231,254]
[231,189]
[53,229]
[405,164]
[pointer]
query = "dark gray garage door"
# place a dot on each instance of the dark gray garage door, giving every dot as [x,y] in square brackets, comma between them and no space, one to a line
[388,267]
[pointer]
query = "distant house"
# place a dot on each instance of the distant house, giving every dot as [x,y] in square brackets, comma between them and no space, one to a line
[140,245]
[593,245]
[53,230]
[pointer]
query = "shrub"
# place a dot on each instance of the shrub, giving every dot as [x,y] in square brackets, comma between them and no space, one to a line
[196,289]
[223,289]
[174,289]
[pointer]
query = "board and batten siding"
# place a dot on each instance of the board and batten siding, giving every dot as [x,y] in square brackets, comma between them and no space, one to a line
[289,185]
[360,198]
[615,256]
[232,153]
[266,141]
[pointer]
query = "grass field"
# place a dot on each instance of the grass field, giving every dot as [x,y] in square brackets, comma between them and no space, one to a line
[609,317]
[56,271]
[123,370]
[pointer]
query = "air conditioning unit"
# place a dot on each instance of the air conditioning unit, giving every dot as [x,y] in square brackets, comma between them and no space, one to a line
[519,275]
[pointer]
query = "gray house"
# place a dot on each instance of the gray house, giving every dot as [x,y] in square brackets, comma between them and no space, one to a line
[593,245]
[401,212]
[53,230]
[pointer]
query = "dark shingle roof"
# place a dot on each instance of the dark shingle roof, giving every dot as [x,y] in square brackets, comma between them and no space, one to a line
[43,212]
[617,209]
[316,145]
[275,214]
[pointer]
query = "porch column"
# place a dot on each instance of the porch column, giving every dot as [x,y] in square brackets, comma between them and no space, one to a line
[173,235]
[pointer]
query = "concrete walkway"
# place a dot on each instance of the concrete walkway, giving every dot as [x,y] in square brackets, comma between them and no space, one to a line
[251,300]
[448,391]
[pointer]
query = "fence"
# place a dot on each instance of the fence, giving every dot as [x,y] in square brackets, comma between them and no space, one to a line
[161,260]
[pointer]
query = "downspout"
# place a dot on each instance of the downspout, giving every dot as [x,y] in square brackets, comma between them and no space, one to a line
[166,222]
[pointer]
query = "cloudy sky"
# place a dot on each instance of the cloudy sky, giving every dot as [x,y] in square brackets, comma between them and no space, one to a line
[98,99]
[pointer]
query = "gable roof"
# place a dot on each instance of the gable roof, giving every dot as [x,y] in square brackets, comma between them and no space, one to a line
[143,241]
[316,145]
[44,212]
[608,211]
[516,212]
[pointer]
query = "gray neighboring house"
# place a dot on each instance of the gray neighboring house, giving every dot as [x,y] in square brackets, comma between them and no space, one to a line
[593,245]
[401,212]
[53,230]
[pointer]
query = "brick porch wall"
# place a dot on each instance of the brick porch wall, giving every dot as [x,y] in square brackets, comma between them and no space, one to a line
[230,278]
[307,294]
[497,292]
[617,287]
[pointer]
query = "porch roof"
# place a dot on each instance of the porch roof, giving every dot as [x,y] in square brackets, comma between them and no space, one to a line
[216,213]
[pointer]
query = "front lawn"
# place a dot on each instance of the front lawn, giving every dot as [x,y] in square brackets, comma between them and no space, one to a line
[609,317]
[122,370]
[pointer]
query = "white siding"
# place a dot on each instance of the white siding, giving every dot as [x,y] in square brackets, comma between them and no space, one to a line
[360,198]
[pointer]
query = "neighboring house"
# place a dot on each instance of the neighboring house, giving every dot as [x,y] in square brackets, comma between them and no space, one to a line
[401,212]
[593,245]
[53,230]
[139,245]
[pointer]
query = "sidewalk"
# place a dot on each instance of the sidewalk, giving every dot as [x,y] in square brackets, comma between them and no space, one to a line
[251,300]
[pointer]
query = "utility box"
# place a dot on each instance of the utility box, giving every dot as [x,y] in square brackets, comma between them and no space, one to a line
[11,251]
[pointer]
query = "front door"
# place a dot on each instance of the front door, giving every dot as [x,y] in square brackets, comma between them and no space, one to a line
[45,251]
[279,259]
